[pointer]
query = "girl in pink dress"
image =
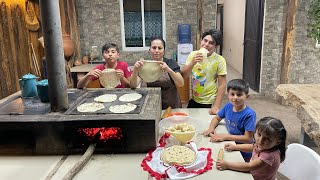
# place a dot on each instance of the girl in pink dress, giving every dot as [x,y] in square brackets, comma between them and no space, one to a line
[268,150]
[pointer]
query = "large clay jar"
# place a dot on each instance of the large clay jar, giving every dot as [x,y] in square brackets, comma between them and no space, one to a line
[68,46]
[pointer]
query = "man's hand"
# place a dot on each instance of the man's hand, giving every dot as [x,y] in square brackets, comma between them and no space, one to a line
[95,72]
[120,73]
[221,165]
[229,147]
[208,133]
[213,110]
[197,58]
[218,137]
[164,66]
[138,64]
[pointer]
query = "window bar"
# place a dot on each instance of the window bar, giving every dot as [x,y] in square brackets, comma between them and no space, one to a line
[143,32]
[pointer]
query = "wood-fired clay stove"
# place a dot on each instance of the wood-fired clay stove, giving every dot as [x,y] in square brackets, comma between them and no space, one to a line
[28,126]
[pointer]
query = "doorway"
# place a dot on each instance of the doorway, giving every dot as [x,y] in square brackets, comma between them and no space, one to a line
[253,42]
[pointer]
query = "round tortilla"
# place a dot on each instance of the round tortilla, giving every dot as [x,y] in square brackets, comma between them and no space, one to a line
[130,97]
[178,155]
[204,51]
[106,98]
[124,108]
[90,107]
[109,78]
[150,71]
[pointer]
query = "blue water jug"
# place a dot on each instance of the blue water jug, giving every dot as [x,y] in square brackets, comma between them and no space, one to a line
[184,33]
[28,86]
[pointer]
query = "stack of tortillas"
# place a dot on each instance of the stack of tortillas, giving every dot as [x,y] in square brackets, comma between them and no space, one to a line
[109,78]
[178,155]
[150,71]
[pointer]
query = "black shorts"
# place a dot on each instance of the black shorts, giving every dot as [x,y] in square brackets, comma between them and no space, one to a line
[193,104]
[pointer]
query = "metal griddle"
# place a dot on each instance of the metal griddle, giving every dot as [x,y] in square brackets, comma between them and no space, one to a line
[33,106]
[90,95]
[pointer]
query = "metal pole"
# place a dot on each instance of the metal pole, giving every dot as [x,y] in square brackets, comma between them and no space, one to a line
[51,28]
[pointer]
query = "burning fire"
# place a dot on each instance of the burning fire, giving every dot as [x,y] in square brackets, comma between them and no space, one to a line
[103,133]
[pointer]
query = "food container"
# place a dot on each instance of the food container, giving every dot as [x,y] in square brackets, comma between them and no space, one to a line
[43,90]
[172,121]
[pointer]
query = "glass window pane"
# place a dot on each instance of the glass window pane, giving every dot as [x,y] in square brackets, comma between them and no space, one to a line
[153,19]
[133,23]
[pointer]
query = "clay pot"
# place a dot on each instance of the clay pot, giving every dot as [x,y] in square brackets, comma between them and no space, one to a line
[68,46]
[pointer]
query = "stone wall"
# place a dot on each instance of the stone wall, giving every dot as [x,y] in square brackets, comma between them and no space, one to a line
[305,62]
[306,66]
[275,18]
[99,22]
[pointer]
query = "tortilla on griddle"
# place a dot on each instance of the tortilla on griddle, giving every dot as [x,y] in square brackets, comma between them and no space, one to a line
[124,108]
[106,98]
[130,97]
[90,107]
[150,71]
[109,78]
[178,155]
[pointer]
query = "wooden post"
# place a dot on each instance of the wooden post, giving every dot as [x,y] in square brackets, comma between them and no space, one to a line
[288,40]
[199,22]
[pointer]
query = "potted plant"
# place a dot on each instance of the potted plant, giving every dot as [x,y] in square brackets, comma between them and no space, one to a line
[314,26]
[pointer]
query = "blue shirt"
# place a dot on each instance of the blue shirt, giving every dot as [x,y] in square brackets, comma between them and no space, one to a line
[238,122]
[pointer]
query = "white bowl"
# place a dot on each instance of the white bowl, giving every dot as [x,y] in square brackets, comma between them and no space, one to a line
[181,136]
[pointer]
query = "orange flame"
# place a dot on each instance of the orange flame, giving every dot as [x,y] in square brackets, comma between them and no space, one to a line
[105,133]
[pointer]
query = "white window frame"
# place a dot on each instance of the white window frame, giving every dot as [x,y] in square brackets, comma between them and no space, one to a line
[145,47]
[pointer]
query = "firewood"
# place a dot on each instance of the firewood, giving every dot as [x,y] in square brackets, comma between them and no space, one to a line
[55,169]
[81,163]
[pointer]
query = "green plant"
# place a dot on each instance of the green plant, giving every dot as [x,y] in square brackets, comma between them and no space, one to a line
[314,15]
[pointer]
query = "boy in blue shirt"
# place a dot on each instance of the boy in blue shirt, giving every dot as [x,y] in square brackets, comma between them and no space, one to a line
[240,119]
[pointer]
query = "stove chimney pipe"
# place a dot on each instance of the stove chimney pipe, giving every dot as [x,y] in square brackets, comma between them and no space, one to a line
[51,28]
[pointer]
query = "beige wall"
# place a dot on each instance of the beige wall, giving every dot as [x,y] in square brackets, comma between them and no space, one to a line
[233,33]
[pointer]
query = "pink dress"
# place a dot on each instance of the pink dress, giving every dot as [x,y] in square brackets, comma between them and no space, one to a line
[270,157]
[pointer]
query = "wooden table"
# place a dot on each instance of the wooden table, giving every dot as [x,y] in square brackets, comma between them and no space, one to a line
[306,99]
[81,70]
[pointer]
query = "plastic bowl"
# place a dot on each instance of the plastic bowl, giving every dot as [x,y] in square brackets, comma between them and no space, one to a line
[181,136]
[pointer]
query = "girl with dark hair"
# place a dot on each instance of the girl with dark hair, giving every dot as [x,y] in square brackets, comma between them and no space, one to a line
[268,150]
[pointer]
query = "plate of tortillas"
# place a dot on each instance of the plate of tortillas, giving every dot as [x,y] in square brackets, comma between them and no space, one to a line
[178,155]
[150,71]
[109,78]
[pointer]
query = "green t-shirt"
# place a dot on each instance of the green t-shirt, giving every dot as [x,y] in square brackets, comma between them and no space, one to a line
[204,77]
